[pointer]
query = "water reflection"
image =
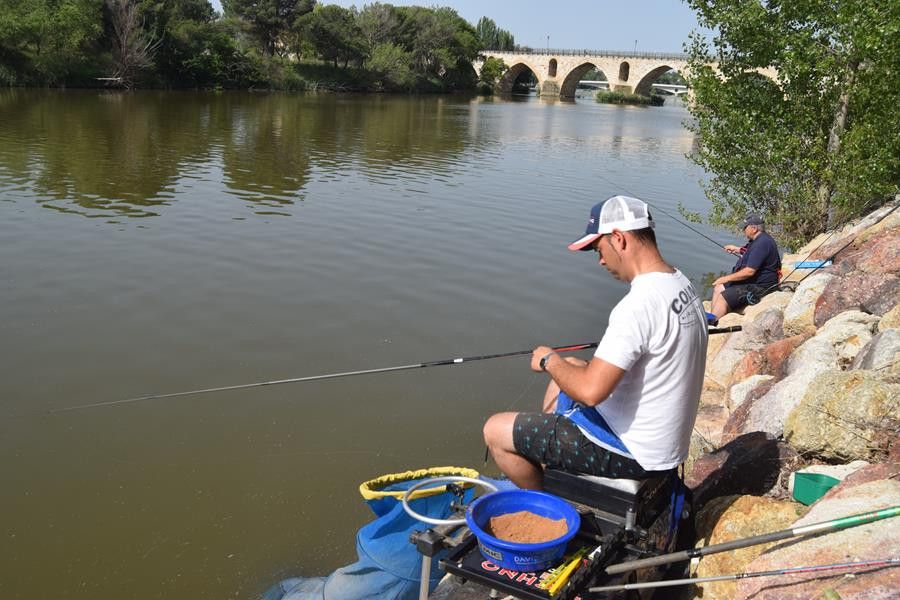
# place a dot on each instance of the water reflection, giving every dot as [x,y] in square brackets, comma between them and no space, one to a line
[100,154]
[127,154]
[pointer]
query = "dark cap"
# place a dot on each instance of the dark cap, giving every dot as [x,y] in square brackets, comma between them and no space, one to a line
[752,219]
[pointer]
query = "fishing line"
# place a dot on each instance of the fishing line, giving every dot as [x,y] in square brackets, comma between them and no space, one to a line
[655,207]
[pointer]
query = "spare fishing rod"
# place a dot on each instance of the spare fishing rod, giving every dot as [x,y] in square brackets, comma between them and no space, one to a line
[422,365]
[864,564]
[827,261]
[805,530]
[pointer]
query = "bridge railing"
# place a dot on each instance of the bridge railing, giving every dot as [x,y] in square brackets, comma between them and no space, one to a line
[587,52]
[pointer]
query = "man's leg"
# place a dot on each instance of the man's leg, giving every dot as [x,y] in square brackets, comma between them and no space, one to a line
[718,306]
[498,435]
[549,403]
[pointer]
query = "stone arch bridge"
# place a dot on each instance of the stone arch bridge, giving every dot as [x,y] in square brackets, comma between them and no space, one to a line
[559,71]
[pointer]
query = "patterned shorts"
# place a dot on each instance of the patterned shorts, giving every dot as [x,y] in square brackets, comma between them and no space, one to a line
[556,442]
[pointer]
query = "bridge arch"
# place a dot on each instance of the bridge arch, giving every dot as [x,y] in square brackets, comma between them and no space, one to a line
[551,68]
[648,78]
[570,83]
[624,71]
[505,85]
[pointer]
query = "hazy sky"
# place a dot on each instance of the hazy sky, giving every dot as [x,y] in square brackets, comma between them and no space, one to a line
[654,25]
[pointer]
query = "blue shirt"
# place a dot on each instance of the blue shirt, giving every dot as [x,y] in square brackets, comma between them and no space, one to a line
[760,254]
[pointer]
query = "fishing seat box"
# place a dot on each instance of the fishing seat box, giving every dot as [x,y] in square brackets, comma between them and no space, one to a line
[624,501]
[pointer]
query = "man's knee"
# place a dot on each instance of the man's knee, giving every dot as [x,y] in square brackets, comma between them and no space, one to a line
[498,429]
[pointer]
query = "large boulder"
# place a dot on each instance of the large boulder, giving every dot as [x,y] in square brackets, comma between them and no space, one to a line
[850,415]
[739,392]
[866,542]
[764,329]
[750,464]
[776,300]
[880,255]
[874,293]
[832,348]
[891,319]
[854,234]
[735,517]
[799,314]
[880,353]
[768,360]
[847,333]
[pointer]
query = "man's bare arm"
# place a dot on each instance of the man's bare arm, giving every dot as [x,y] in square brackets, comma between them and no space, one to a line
[589,384]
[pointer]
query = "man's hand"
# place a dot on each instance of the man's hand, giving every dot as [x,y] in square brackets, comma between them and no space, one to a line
[731,249]
[537,354]
[541,351]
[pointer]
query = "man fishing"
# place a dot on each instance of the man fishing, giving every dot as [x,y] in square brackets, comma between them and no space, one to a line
[755,274]
[629,412]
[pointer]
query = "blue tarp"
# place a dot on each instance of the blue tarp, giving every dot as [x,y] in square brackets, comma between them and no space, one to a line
[388,565]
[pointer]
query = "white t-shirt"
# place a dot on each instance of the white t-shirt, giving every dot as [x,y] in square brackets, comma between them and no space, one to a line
[657,333]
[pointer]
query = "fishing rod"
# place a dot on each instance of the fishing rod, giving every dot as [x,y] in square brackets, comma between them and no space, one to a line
[824,526]
[884,562]
[436,363]
[657,208]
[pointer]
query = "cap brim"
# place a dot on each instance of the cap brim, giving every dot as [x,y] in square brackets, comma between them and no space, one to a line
[584,242]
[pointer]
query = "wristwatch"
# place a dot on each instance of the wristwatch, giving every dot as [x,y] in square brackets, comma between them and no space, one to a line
[543,363]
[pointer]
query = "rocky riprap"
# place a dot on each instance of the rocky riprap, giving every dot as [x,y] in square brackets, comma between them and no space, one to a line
[813,378]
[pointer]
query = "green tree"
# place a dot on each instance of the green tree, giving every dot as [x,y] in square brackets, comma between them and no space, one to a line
[491,71]
[133,46]
[672,77]
[817,145]
[49,41]
[378,23]
[268,20]
[392,65]
[443,46]
[492,37]
[333,32]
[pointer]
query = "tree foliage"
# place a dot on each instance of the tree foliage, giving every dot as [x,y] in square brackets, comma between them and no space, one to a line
[49,41]
[492,70]
[333,32]
[391,66]
[492,37]
[268,20]
[267,43]
[817,145]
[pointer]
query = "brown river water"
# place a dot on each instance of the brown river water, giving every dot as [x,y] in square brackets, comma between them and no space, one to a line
[155,242]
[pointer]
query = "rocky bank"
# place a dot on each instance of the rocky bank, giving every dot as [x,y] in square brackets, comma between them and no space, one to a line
[812,383]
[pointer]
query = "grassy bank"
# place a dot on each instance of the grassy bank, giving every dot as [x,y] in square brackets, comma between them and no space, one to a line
[623,98]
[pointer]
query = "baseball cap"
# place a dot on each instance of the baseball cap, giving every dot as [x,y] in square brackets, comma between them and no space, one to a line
[619,212]
[752,219]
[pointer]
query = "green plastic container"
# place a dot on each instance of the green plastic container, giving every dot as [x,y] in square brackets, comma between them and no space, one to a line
[809,487]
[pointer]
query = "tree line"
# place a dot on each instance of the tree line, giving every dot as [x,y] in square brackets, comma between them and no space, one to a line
[814,147]
[284,44]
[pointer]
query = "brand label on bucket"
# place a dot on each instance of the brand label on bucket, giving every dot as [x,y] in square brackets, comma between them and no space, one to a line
[490,552]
